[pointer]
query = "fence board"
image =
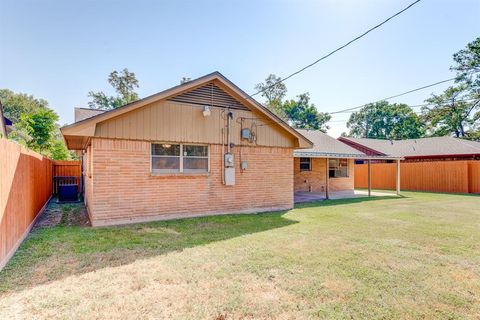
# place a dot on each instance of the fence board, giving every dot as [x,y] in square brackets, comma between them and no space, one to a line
[474,177]
[65,169]
[435,176]
[25,187]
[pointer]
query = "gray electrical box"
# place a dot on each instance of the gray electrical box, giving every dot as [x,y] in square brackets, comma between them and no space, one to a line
[244,165]
[246,134]
[229,169]
[229,160]
[229,176]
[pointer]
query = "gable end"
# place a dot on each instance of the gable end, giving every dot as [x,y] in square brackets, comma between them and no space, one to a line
[209,95]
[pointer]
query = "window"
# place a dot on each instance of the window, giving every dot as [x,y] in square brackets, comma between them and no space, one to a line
[305,164]
[175,158]
[338,168]
[195,158]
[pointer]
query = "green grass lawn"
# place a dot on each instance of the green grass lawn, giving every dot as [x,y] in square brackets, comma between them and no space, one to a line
[380,258]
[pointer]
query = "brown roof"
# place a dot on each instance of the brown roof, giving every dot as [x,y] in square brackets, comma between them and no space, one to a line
[325,145]
[85,113]
[434,146]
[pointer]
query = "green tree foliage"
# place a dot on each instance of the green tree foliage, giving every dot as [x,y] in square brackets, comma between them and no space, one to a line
[274,92]
[34,124]
[302,114]
[14,104]
[450,112]
[467,63]
[457,110]
[382,120]
[124,83]
[58,150]
[40,128]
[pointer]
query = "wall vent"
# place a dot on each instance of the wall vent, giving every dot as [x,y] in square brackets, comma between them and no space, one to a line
[210,95]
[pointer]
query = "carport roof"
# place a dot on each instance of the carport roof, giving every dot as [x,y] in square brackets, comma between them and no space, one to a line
[325,146]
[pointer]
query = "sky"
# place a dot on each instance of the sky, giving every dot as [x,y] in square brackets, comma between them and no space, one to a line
[60,50]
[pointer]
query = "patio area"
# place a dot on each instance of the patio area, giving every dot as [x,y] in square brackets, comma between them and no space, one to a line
[300,197]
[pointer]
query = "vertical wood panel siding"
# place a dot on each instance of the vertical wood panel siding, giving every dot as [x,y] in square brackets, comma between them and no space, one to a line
[435,176]
[180,122]
[25,187]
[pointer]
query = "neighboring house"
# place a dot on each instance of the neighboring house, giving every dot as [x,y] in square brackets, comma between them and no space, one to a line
[422,149]
[200,148]
[328,161]
[85,113]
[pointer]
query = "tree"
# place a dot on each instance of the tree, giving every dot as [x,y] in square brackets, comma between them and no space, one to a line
[40,127]
[467,66]
[185,80]
[457,110]
[467,63]
[34,124]
[124,83]
[382,120]
[302,114]
[58,150]
[450,112]
[273,91]
[14,104]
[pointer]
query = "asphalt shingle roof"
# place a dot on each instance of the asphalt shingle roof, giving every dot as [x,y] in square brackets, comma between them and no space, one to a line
[325,145]
[84,113]
[435,146]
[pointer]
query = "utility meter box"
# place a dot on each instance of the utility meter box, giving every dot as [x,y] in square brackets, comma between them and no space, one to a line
[229,169]
[229,160]
[229,176]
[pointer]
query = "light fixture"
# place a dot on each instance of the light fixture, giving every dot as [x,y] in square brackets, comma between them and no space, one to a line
[206,111]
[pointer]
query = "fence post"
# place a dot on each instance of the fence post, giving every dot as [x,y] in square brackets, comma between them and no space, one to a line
[398,177]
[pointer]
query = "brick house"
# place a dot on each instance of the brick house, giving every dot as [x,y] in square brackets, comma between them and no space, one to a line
[200,148]
[328,166]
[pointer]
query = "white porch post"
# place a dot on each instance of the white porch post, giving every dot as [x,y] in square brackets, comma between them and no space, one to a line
[398,177]
[369,178]
[327,196]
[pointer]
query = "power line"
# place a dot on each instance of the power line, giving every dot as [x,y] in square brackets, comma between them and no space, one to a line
[338,49]
[394,96]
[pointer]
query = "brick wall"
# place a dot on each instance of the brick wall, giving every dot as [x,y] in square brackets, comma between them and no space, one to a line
[316,178]
[124,190]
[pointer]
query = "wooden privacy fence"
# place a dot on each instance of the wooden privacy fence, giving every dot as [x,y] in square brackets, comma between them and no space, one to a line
[435,176]
[67,171]
[25,187]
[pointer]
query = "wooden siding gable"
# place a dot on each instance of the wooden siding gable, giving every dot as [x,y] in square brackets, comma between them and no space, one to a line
[172,121]
[197,93]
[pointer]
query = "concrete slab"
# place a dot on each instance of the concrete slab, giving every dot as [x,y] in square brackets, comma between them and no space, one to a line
[300,197]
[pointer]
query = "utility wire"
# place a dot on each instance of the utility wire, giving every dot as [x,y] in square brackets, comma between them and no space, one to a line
[394,96]
[338,49]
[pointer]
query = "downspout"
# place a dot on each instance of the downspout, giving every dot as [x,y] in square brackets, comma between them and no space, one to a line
[229,120]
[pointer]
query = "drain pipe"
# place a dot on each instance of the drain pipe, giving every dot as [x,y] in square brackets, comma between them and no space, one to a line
[229,121]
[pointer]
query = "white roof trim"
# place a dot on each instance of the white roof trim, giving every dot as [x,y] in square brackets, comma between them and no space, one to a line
[305,154]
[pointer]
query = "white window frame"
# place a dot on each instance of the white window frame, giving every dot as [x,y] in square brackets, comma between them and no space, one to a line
[181,157]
